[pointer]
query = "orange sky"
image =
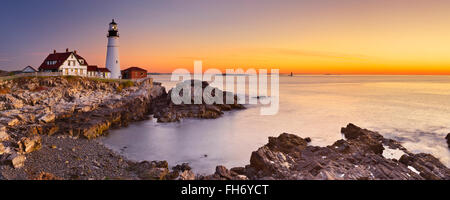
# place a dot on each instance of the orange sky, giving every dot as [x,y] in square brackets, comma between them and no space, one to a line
[308,37]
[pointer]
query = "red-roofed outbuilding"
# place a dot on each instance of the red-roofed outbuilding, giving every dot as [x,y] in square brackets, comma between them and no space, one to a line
[134,73]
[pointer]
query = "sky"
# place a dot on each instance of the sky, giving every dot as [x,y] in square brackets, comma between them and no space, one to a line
[300,36]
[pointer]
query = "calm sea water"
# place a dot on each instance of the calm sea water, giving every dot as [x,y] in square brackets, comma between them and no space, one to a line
[414,110]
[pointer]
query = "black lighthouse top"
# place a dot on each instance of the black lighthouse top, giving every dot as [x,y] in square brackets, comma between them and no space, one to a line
[113,30]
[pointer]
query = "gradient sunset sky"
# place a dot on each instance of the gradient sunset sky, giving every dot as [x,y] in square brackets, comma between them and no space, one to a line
[302,36]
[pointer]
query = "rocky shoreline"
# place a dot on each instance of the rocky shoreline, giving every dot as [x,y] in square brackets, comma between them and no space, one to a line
[48,127]
[448,140]
[166,111]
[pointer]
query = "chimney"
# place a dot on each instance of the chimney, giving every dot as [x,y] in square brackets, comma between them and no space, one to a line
[67,50]
[75,51]
[54,51]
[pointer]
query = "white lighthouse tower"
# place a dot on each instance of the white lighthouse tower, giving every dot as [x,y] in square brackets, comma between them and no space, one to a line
[112,54]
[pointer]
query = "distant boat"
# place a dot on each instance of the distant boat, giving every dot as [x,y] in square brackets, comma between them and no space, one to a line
[292,74]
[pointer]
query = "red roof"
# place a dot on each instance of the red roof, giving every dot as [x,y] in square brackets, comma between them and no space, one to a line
[92,68]
[103,70]
[135,69]
[59,58]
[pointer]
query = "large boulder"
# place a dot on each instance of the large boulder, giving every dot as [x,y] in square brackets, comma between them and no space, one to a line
[360,157]
[165,110]
[17,160]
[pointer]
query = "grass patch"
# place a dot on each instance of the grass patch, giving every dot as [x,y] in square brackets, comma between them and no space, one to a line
[39,89]
[127,83]
[124,84]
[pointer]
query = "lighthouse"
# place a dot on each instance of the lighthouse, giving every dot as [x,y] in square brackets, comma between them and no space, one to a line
[112,53]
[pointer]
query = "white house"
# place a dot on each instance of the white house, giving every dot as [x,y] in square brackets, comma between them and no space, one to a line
[69,63]
[94,71]
[29,69]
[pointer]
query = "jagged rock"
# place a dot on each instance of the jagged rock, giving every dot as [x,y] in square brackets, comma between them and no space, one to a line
[9,121]
[166,111]
[14,103]
[17,160]
[155,170]
[70,105]
[183,167]
[187,175]
[48,118]
[223,172]
[182,172]
[360,157]
[28,145]
[448,140]
[308,139]
[3,149]
[47,176]
[155,174]
[4,136]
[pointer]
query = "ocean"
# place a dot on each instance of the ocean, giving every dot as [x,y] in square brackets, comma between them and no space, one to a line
[414,110]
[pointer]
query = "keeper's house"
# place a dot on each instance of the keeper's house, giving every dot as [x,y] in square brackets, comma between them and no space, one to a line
[69,63]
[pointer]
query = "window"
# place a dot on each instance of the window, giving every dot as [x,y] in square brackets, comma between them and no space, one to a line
[51,62]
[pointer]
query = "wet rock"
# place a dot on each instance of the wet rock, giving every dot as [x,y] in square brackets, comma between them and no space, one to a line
[165,110]
[4,136]
[360,157]
[13,102]
[3,149]
[223,172]
[308,139]
[238,170]
[30,144]
[155,174]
